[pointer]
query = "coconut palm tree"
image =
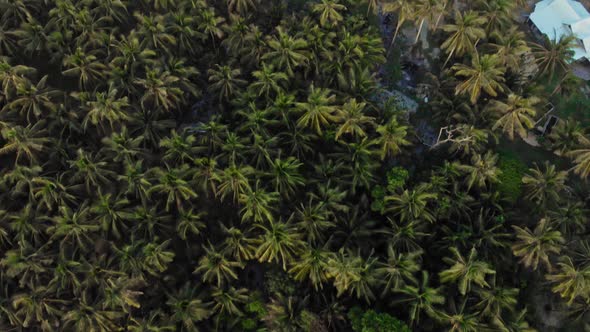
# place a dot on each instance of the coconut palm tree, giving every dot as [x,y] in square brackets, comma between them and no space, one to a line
[565,136]
[286,52]
[392,138]
[536,246]
[485,73]
[172,183]
[238,244]
[482,171]
[499,14]
[398,270]
[329,12]
[412,205]
[544,186]
[581,157]
[215,267]
[318,110]
[280,242]
[85,66]
[27,142]
[353,120]
[421,298]
[241,6]
[570,281]
[188,307]
[465,271]
[554,55]
[465,33]
[258,204]
[510,46]
[268,80]
[33,99]
[312,266]
[516,115]
[286,175]
[353,274]
[225,81]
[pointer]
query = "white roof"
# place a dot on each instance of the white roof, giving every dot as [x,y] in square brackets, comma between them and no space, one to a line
[556,18]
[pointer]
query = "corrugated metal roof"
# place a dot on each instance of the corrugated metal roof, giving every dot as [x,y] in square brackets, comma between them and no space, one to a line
[556,18]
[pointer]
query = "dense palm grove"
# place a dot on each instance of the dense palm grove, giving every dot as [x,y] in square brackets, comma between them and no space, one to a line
[186,165]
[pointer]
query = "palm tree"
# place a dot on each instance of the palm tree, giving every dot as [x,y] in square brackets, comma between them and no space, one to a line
[173,185]
[258,204]
[280,242]
[227,301]
[465,271]
[110,213]
[496,299]
[225,81]
[554,55]
[536,246]
[516,115]
[73,227]
[312,266]
[26,141]
[565,136]
[318,110]
[460,321]
[85,66]
[581,157]
[421,298]
[482,171]
[13,76]
[353,274]
[286,52]
[465,33]
[179,148]
[188,308]
[510,46]
[353,120]
[329,11]
[312,220]
[412,205]
[214,267]
[570,281]
[499,14]
[106,107]
[234,181]
[431,11]
[570,217]
[160,89]
[268,80]
[485,73]
[87,316]
[392,138]
[544,186]
[241,6]
[189,223]
[286,176]
[33,99]
[210,24]
[398,270]
[238,244]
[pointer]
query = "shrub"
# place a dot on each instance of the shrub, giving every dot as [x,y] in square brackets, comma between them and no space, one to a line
[372,321]
[511,178]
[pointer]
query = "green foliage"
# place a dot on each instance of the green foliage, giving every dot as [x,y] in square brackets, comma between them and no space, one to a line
[510,185]
[278,282]
[372,321]
[396,178]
